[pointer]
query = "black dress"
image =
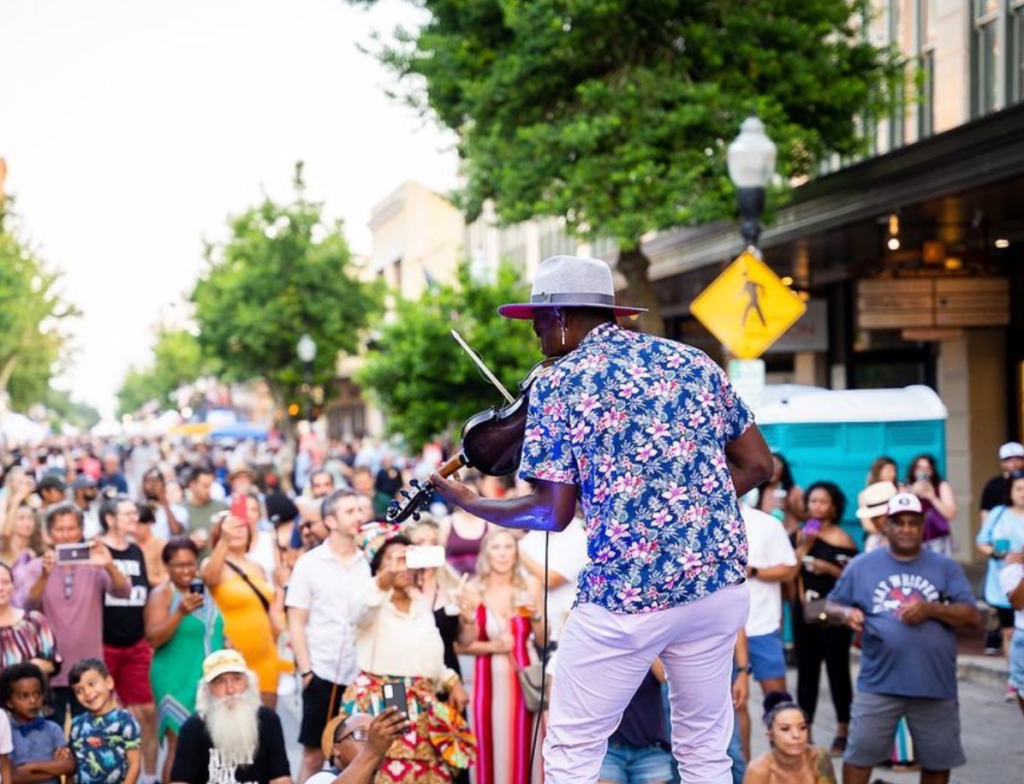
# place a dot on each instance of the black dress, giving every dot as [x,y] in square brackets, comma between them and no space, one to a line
[829,644]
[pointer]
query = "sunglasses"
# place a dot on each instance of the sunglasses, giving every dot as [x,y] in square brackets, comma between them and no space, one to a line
[360,736]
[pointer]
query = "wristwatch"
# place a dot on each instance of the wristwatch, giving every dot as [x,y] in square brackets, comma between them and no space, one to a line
[753,571]
[748,668]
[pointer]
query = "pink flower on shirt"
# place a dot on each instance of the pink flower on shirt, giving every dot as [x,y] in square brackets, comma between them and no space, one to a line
[645,453]
[658,430]
[675,493]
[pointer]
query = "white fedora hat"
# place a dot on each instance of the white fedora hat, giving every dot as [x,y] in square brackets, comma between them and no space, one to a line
[570,282]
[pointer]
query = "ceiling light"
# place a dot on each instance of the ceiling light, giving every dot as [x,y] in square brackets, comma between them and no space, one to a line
[893,243]
[1002,243]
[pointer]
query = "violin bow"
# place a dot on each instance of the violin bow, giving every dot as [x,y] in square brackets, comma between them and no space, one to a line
[483,367]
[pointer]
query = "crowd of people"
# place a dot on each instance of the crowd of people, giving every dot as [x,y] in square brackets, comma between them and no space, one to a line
[155,595]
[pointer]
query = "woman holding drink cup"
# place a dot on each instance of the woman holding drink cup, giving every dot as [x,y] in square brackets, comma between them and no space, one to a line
[508,621]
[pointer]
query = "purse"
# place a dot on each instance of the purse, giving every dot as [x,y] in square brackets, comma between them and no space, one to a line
[530,685]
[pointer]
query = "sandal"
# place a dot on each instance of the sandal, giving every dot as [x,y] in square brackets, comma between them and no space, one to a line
[838,746]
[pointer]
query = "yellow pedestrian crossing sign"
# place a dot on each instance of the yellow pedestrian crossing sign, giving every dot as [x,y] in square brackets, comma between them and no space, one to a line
[747,307]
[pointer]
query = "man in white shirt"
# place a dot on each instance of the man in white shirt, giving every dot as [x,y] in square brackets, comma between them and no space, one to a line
[771,562]
[567,556]
[327,584]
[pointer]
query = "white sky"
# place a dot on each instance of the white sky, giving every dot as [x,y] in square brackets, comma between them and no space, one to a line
[132,129]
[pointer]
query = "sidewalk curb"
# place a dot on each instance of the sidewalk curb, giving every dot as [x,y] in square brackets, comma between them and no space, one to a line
[982,670]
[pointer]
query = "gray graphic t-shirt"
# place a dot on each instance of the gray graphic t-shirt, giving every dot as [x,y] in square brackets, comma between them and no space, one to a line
[899,659]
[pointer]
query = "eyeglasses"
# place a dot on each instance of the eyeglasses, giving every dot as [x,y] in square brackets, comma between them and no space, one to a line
[359,736]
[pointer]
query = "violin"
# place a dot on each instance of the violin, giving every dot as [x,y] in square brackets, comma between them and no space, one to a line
[492,443]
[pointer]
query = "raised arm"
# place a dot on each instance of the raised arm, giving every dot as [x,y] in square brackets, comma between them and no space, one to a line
[550,507]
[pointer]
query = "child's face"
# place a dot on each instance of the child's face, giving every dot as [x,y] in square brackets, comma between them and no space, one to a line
[26,698]
[94,691]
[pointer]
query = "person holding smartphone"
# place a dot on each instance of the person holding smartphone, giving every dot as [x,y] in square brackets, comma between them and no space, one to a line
[71,596]
[398,647]
[184,627]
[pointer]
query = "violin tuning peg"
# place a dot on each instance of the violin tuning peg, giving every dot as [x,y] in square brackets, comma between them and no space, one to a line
[415,483]
[416,516]
[404,493]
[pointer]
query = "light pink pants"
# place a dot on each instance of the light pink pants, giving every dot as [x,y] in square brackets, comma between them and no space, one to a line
[602,659]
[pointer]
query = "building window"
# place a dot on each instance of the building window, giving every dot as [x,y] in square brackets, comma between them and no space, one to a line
[926,19]
[1015,52]
[985,57]
[896,118]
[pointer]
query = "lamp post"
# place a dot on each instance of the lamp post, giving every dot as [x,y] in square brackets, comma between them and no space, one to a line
[751,166]
[306,350]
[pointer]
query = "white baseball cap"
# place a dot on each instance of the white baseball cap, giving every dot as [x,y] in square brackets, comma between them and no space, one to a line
[1011,449]
[903,503]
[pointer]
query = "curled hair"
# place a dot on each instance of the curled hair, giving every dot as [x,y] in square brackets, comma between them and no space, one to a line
[378,557]
[875,472]
[837,496]
[175,545]
[19,672]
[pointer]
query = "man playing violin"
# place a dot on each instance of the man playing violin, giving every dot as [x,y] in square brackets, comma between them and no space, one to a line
[649,436]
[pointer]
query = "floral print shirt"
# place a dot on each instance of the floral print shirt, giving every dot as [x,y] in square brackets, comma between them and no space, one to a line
[640,424]
[101,745]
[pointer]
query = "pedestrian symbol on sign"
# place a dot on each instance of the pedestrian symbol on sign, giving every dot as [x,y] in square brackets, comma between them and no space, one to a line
[747,307]
[754,291]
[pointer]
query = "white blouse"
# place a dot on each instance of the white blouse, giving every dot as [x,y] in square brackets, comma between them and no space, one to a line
[392,643]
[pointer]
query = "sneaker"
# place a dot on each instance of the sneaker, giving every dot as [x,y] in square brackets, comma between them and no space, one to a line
[838,746]
[1011,694]
[993,652]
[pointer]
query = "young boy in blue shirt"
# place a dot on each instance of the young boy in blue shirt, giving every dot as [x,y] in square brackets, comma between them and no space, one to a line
[41,754]
[106,740]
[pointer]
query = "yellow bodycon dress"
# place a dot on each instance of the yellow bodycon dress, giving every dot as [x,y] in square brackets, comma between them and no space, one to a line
[247,624]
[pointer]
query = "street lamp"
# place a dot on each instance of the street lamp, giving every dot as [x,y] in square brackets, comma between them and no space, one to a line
[306,349]
[751,166]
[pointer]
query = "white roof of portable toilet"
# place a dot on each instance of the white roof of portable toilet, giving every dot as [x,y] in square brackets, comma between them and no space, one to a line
[911,404]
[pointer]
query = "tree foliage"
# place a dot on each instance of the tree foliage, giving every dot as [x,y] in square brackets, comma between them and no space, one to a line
[283,272]
[177,360]
[616,114]
[63,408]
[32,311]
[421,378]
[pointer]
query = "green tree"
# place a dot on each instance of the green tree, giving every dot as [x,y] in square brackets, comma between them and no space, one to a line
[421,378]
[32,312]
[63,408]
[177,360]
[283,273]
[616,114]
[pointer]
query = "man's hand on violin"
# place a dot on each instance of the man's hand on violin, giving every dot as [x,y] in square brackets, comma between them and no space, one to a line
[453,491]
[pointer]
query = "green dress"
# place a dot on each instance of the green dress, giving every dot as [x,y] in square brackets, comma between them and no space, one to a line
[178,663]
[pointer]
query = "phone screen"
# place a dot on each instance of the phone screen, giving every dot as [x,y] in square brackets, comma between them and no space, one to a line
[72,553]
[424,557]
[394,697]
[238,506]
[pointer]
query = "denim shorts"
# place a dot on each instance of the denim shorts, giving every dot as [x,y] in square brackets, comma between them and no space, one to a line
[1017,661]
[636,765]
[767,656]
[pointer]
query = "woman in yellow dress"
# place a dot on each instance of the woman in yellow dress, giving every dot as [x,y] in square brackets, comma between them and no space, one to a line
[246,601]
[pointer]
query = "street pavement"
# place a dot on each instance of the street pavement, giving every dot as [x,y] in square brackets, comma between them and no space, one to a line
[992,730]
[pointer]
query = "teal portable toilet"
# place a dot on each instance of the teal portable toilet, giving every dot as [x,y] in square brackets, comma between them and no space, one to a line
[836,435]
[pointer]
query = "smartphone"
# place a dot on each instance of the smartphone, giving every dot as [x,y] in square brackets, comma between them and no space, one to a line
[394,697]
[1001,547]
[424,557]
[196,586]
[72,553]
[238,507]
[812,526]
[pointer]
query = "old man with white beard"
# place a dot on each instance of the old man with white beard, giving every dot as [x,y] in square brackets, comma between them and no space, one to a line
[231,738]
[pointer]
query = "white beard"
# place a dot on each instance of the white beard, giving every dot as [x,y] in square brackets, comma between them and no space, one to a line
[232,724]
